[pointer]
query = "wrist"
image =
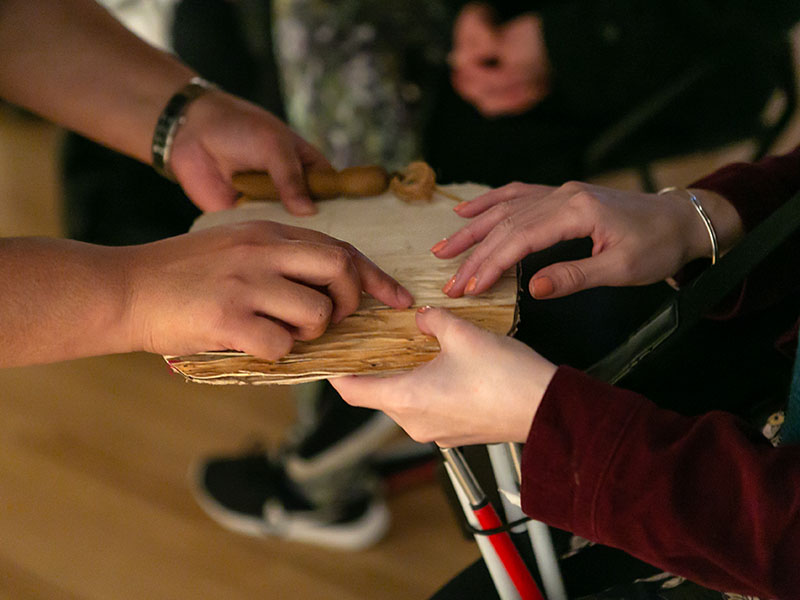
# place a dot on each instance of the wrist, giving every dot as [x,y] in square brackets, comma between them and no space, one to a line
[129,264]
[105,320]
[170,121]
[727,222]
[540,376]
[697,225]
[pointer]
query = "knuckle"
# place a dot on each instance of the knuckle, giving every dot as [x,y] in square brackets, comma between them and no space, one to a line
[340,259]
[574,276]
[223,312]
[507,225]
[470,232]
[252,228]
[503,210]
[573,187]
[583,201]
[278,347]
[252,234]
[349,249]
[272,139]
[230,333]
[241,252]
[321,313]
[316,315]
[517,188]
[349,303]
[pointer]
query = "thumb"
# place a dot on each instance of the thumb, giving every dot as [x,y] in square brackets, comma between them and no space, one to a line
[565,278]
[449,329]
[364,391]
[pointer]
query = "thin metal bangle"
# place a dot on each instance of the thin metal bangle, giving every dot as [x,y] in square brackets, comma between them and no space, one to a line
[170,120]
[712,233]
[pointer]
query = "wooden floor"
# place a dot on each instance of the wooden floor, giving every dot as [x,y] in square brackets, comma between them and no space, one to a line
[94,501]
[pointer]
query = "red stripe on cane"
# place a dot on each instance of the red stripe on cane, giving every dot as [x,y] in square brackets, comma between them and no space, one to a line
[508,554]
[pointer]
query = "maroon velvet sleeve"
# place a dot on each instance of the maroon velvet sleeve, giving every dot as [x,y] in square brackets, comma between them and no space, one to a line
[756,189]
[706,497]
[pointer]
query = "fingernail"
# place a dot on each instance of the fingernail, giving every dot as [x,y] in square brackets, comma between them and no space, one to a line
[423,309]
[449,285]
[439,245]
[471,285]
[542,287]
[460,206]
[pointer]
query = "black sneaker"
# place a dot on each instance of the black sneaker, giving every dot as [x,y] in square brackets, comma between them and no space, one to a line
[253,495]
[323,486]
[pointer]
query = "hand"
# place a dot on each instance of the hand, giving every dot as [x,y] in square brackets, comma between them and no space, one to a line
[482,388]
[501,69]
[254,287]
[637,238]
[223,135]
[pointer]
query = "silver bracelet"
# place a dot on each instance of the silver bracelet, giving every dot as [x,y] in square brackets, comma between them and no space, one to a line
[170,120]
[712,233]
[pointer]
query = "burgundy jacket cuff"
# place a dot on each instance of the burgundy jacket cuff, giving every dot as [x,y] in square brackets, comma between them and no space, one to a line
[574,436]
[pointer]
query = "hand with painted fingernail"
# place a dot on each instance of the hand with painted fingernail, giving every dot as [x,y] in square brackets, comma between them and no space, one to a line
[637,238]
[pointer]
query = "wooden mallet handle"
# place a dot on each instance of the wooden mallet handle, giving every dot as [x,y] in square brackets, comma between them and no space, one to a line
[322,184]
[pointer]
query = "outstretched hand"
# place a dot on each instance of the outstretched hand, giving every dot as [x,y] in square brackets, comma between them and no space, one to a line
[223,135]
[637,238]
[459,397]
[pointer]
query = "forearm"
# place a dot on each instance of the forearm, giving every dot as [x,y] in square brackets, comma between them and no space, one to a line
[73,63]
[60,300]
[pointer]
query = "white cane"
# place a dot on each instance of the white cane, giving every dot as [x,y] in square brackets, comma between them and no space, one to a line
[506,462]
